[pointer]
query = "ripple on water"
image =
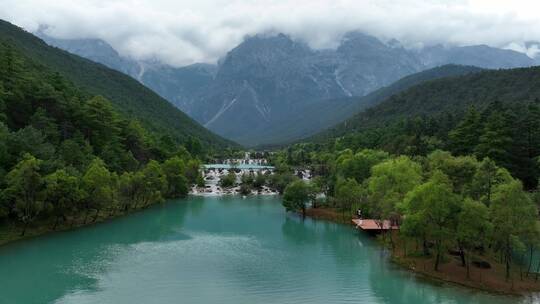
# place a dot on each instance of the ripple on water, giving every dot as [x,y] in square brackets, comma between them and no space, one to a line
[160,266]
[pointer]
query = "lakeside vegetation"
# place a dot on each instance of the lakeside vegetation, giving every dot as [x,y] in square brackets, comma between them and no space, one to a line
[443,204]
[467,187]
[68,159]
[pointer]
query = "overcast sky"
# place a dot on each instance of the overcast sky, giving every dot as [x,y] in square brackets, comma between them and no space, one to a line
[181,32]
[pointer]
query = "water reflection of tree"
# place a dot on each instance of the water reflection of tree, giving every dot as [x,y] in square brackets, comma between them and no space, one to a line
[337,244]
[195,206]
[298,231]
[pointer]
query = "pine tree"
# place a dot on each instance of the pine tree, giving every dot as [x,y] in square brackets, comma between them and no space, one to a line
[532,134]
[464,138]
[526,143]
[496,140]
[3,93]
[533,129]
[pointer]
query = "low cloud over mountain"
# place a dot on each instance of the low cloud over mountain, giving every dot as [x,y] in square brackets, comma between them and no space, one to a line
[180,33]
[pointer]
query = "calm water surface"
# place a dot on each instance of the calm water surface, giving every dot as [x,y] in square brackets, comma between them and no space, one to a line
[214,250]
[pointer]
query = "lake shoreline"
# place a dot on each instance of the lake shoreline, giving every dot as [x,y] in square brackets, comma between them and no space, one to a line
[177,249]
[13,235]
[409,264]
[489,280]
[428,276]
[11,232]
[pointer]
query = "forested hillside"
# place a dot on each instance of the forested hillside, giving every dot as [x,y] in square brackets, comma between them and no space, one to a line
[126,94]
[491,113]
[453,95]
[66,155]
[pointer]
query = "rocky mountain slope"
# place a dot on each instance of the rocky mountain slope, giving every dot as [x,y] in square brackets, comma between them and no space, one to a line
[338,110]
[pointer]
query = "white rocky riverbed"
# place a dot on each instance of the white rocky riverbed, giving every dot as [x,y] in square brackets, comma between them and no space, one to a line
[214,172]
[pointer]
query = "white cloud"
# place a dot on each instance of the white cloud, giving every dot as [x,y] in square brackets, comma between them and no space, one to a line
[532,50]
[184,32]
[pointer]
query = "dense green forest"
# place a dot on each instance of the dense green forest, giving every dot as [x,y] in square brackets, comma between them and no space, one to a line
[442,203]
[68,157]
[125,93]
[507,133]
[490,113]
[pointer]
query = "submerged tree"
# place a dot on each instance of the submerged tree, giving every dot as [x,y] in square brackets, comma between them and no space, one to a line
[512,214]
[348,194]
[296,195]
[435,206]
[473,228]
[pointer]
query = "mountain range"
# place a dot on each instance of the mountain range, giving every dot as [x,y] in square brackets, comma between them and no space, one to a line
[271,81]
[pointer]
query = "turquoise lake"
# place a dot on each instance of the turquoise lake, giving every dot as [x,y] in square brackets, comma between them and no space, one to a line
[215,250]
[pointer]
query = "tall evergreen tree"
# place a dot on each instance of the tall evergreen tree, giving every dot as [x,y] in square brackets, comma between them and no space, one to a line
[486,178]
[464,138]
[496,139]
[529,148]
